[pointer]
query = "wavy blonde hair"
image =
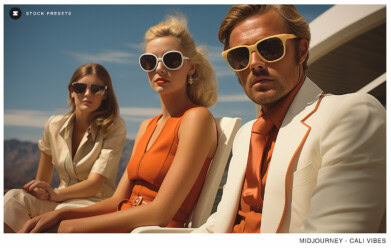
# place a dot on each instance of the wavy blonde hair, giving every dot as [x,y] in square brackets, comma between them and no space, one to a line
[108,111]
[203,90]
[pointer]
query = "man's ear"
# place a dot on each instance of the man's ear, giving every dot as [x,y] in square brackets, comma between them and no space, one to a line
[303,50]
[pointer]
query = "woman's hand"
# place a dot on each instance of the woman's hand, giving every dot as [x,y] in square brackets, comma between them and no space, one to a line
[40,193]
[42,190]
[41,223]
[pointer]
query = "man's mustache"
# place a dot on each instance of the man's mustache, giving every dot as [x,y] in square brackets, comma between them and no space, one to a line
[260,72]
[255,73]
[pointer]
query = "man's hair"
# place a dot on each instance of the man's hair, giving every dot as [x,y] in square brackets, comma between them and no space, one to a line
[295,23]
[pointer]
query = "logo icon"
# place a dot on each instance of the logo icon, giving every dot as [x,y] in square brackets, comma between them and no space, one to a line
[15,13]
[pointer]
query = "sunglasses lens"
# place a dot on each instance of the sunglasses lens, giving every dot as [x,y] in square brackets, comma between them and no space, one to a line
[271,49]
[148,62]
[172,60]
[97,89]
[79,88]
[238,58]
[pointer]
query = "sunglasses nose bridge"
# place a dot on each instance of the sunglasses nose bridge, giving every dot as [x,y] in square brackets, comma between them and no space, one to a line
[256,59]
[254,56]
[252,48]
[88,91]
[159,64]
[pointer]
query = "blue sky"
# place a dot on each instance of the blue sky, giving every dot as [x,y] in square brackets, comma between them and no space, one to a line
[41,53]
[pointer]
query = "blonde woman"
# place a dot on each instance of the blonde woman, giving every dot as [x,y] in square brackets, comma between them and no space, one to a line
[84,146]
[172,151]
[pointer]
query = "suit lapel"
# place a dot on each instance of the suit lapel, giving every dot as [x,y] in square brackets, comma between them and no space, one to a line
[290,139]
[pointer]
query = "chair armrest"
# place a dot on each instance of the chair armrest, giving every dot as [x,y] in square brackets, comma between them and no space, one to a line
[158,229]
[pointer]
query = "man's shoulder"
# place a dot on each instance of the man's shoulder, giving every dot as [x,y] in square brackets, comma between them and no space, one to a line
[347,101]
[309,87]
[354,107]
[352,97]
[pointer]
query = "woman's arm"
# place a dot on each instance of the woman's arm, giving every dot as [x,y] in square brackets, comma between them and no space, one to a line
[44,174]
[51,219]
[197,141]
[104,167]
[45,168]
[87,188]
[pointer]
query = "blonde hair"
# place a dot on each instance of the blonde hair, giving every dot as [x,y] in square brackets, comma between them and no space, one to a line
[108,111]
[203,90]
[295,23]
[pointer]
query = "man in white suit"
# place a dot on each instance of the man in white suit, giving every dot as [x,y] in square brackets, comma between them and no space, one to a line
[311,162]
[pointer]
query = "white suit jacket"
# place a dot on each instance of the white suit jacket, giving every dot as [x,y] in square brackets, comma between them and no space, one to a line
[327,172]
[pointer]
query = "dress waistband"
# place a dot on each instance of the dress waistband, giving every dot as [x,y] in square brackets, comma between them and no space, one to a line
[179,220]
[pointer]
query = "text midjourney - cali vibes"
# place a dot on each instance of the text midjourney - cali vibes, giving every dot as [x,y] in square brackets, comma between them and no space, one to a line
[343,240]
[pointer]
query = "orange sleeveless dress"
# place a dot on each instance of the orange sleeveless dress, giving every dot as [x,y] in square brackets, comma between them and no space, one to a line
[147,169]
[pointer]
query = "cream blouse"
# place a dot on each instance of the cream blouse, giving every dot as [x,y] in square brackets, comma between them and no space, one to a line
[96,153]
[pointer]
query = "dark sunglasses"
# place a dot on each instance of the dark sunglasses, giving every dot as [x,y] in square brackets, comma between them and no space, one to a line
[270,49]
[95,89]
[172,60]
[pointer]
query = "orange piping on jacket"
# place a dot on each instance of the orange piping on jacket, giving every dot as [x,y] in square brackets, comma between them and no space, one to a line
[294,155]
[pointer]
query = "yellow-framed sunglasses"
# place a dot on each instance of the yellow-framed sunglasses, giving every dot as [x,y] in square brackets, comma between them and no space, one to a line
[270,49]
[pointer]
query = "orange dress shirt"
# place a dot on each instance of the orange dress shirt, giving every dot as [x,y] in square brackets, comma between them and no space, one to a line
[249,215]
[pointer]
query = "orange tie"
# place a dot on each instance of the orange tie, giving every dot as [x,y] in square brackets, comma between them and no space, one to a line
[259,132]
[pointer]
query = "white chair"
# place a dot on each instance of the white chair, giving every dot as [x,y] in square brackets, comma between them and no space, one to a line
[227,129]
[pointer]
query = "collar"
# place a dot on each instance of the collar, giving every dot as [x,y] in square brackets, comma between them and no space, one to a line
[278,110]
[93,131]
[67,127]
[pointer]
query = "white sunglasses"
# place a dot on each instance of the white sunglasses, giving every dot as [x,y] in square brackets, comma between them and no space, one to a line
[172,60]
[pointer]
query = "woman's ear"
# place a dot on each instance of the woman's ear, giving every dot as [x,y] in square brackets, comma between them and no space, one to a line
[192,69]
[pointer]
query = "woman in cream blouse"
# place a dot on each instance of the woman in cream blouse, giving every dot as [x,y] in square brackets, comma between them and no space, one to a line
[84,146]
